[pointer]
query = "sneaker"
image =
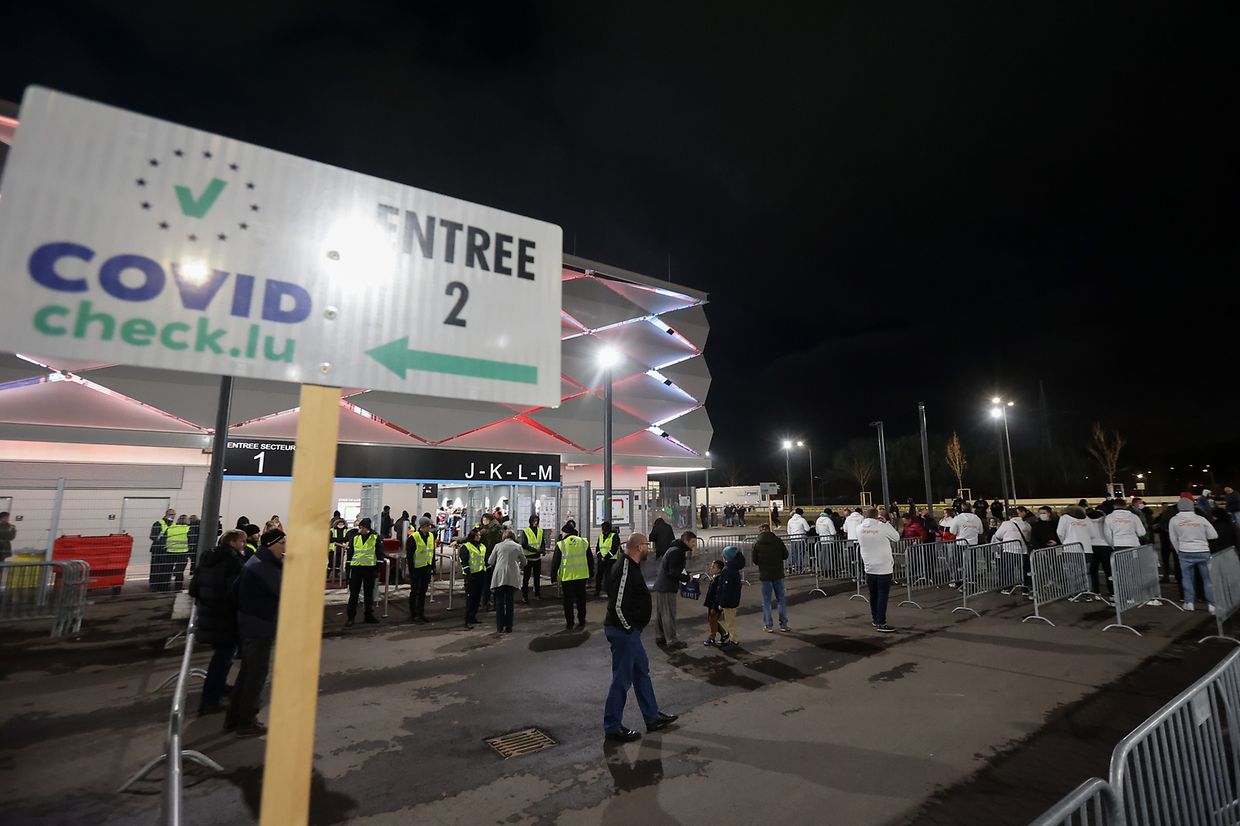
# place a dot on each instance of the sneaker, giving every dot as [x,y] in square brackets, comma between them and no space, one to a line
[254,729]
[1210,608]
[623,735]
[1188,606]
[875,624]
[729,645]
[768,629]
[710,641]
[724,637]
[886,629]
[785,628]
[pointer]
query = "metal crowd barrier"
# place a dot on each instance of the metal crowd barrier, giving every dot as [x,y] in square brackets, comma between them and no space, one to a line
[931,565]
[800,547]
[1224,570]
[1093,803]
[1134,578]
[833,559]
[999,566]
[173,756]
[1182,765]
[52,590]
[1059,572]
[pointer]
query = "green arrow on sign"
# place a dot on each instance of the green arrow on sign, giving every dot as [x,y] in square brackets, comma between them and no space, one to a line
[397,357]
[198,207]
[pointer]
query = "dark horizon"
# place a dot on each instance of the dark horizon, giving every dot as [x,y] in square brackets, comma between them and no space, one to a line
[933,205]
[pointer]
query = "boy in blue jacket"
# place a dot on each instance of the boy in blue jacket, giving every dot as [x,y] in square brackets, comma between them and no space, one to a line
[713,611]
[729,595]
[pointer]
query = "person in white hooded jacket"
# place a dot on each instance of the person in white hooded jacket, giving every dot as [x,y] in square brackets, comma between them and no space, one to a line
[876,539]
[1122,527]
[1074,528]
[824,527]
[968,527]
[851,524]
[1190,535]
[797,523]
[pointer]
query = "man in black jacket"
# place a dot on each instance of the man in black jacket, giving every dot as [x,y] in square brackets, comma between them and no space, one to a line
[661,537]
[258,611]
[667,590]
[212,586]
[628,612]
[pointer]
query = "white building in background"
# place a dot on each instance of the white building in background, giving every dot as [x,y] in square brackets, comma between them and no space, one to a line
[131,441]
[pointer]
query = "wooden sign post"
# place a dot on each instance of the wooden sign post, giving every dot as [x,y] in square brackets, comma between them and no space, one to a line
[299,638]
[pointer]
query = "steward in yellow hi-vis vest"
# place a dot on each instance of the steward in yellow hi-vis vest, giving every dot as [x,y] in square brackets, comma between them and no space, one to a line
[365,555]
[534,544]
[608,548]
[473,558]
[573,566]
[420,552]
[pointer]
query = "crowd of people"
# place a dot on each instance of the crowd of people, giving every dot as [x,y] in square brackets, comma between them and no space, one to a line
[732,516]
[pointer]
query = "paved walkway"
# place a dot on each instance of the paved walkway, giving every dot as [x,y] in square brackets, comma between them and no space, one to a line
[955,719]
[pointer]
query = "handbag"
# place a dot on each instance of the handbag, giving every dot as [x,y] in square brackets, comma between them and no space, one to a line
[691,589]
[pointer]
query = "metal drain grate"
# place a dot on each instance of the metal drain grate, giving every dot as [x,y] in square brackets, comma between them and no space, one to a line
[519,743]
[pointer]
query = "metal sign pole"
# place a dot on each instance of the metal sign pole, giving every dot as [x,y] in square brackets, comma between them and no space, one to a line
[215,475]
[925,454]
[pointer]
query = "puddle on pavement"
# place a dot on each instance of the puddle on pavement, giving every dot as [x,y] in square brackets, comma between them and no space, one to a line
[558,642]
[891,675]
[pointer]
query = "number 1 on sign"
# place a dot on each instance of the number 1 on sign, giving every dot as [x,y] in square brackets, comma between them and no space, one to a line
[261,458]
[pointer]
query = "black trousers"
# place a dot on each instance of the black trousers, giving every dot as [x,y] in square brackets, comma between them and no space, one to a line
[533,568]
[573,593]
[604,568]
[419,581]
[486,587]
[248,690]
[362,578]
[159,576]
[503,607]
[176,569]
[1100,558]
[474,585]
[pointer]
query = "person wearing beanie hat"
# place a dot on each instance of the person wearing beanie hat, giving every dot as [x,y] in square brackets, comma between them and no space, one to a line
[420,555]
[730,594]
[534,545]
[711,603]
[252,532]
[1190,535]
[258,610]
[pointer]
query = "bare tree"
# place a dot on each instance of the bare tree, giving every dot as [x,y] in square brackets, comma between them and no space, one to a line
[1105,447]
[956,459]
[733,473]
[862,469]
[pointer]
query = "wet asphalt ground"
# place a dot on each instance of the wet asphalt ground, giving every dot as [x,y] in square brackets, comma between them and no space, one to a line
[955,719]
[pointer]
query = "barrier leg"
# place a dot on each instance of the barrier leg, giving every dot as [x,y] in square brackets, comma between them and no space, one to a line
[150,766]
[202,760]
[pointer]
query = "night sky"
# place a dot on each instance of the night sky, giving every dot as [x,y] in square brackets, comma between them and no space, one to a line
[888,203]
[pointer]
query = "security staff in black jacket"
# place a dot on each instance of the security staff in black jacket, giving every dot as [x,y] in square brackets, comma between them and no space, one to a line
[534,543]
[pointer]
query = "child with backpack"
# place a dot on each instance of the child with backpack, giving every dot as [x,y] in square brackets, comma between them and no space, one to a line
[728,596]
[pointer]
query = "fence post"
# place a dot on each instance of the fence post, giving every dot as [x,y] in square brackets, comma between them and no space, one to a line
[1224,570]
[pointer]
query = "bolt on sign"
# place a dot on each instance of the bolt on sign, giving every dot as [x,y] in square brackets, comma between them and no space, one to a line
[129,239]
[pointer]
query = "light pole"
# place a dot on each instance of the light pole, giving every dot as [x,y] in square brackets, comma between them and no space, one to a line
[1007,437]
[607,359]
[925,454]
[788,474]
[708,484]
[809,450]
[882,461]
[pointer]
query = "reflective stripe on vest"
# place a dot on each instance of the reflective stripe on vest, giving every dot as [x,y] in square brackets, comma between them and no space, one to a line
[573,562]
[423,549]
[364,553]
[477,558]
[607,546]
[533,539]
[177,537]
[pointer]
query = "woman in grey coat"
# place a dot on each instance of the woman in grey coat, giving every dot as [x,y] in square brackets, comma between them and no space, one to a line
[506,560]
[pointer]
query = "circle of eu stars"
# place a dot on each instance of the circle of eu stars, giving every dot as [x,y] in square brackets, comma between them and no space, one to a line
[153,195]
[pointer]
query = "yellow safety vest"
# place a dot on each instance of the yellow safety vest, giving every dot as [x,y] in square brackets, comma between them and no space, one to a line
[477,558]
[251,549]
[607,546]
[177,537]
[423,549]
[364,552]
[573,562]
[533,538]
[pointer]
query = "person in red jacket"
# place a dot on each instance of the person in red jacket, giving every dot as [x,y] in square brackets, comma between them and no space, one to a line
[914,528]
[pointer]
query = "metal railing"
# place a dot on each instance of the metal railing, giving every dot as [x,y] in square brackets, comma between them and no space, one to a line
[999,566]
[50,590]
[1182,765]
[1093,803]
[173,756]
[1134,582]
[1059,572]
[833,560]
[1224,570]
[931,565]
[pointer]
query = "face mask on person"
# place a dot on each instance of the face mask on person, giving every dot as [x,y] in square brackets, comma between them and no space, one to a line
[1044,517]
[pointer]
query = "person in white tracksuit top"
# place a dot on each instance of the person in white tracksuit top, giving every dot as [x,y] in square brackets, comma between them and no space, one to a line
[876,539]
[824,527]
[969,527]
[797,523]
[1122,527]
[851,524]
[1190,535]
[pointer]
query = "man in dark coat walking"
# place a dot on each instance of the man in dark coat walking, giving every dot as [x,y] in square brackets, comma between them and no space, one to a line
[216,622]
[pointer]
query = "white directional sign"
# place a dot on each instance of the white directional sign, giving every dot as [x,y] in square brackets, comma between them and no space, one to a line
[132,240]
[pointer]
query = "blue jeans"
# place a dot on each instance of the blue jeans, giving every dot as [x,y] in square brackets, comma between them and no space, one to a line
[776,585]
[629,667]
[1198,561]
[880,591]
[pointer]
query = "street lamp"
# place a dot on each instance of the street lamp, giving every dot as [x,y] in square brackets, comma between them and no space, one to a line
[788,473]
[707,457]
[608,357]
[882,461]
[810,451]
[999,410]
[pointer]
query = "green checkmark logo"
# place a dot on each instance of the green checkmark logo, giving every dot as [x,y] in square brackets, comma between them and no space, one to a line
[198,207]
